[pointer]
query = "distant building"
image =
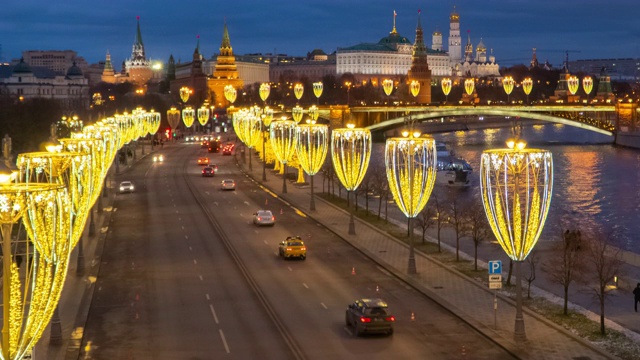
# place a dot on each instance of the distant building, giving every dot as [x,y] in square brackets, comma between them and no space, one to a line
[225,71]
[477,65]
[419,70]
[251,68]
[627,70]
[191,75]
[58,61]
[314,67]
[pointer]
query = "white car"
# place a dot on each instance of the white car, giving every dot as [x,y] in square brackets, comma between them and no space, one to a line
[158,158]
[228,184]
[126,186]
[264,218]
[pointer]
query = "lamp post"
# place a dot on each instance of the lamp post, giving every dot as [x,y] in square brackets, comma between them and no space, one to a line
[469,86]
[387,86]
[252,131]
[312,147]
[410,163]
[317,91]
[185,92]
[350,153]
[446,88]
[283,137]
[203,116]
[348,85]
[507,85]
[188,116]
[516,185]
[296,113]
[414,88]
[267,117]
[265,90]
[173,117]
[298,90]
[587,85]
[230,93]
[573,83]
[527,86]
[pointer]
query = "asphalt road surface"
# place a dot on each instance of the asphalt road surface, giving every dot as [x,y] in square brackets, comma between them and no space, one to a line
[186,275]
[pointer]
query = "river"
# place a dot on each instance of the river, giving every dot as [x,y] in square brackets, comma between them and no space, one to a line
[596,185]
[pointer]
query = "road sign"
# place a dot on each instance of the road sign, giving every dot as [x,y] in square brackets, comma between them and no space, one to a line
[493,278]
[495,285]
[495,267]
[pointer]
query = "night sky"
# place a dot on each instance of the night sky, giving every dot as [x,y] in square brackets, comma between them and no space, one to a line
[589,28]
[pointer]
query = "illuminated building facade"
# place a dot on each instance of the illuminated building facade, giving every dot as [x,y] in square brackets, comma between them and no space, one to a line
[419,70]
[225,71]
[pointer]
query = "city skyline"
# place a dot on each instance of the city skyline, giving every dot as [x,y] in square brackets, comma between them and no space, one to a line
[511,29]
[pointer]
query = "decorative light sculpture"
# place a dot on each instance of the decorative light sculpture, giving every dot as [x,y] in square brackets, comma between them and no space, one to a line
[516,185]
[296,113]
[414,88]
[173,117]
[252,131]
[411,165]
[573,83]
[185,92]
[264,91]
[230,93]
[446,88]
[188,116]
[317,90]
[387,86]
[314,113]
[298,90]
[507,85]
[587,85]
[283,142]
[527,86]
[469,86]
[312,146]
[30,299]
[203,115]
[267,117]
[350,153]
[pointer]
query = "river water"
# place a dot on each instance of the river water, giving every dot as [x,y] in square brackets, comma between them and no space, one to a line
[596,185]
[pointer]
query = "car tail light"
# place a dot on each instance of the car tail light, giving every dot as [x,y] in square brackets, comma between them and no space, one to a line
[390,318]
[303,248]
[259,218]
[364,319]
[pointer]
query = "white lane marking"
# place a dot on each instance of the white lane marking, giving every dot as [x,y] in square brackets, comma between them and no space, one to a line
[206,192]
[246,202]
[265,241]
[289,267]
[215,203]
[305,285]
[324,306]
[195,262]
[348,331]
[213,312]
[256,231]
[177,212]
[224,341]
[179,219]
[186,237]
[190,249]
[200,276]
[182,227]
[207,296]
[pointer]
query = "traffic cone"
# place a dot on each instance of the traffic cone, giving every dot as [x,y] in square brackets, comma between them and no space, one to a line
[464,351]
[353,270]
[266,202]
[413,317]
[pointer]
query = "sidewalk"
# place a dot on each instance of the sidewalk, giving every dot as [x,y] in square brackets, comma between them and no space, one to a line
[466,298]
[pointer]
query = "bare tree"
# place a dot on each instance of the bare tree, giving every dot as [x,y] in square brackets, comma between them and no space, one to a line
[366,187]
[478,228]
[425,220]
[604,262]
[457,218]
[532,260]
[565,262]
[442,218]
[381,186]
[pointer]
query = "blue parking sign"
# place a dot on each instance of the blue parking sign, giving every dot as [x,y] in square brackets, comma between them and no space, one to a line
[495,267]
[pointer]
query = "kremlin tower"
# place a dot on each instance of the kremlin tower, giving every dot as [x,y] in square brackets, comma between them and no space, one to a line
[420,68]
[138,67]
[226,71]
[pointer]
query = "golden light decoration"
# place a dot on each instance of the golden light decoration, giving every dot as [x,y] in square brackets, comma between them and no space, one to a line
[387,86]
[314,113]
[312,145]
[317,89]
[469,86]
[573,83]
[203,115]
[188,116]
[283,143]
[230,93]
[350,153]
[185,92]
[264,91]
[173,117]
[445,84]
[414,87]
[527,85]
[31,295]
[507,84]
[268,116]
[237,122]
[251,133]
[587,84]
[298,90]
[296,113]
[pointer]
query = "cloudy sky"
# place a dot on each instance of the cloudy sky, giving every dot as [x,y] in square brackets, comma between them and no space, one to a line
[589,28]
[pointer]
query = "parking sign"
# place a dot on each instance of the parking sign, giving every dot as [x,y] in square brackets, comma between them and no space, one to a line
[495,267]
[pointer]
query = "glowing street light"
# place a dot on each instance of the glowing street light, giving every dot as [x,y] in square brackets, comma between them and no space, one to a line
[446,88]
[312,147]
[283,142]
[587,85]
[298,90]
[267,117]
[188,116]
[410,163]
[314,113]
[230,93]
[203,115]
[252,131]
[297,113]
[469,86]
[264,91]
[507,85]
[317,90]
[527,86]
[185,92]
[414,88]
[387,86]
[573,83]
[348,85]
[516,185]
[350,152]
[173,117]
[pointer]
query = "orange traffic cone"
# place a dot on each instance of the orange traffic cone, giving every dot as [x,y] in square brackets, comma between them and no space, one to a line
[266,202]
[353,270]
[413,317]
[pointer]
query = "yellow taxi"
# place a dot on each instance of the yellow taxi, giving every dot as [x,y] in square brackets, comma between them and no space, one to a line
[203,161]
[292,247]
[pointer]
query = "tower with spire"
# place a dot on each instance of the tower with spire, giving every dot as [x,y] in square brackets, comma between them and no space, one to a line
[108,74]
[226,71]
[419,70]
[138,67]
[534,60]
[468,49]
[436,40]
[455,43]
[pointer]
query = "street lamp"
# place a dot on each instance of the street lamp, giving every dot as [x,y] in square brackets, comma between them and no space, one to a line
[446,88]
[516,185]
[312,147]
[410,162]
[188,116]
[414,88]
[173,117]
[387,86]
[469,86]
[185,92]
[573,83]
[587,85]
[267,117]
[296,113]
[507,84]
[203,116]
[527,86]
[264,91]
[230,93]
[283,138]
[317,91]
[252,131]
[348,85]
[298,90]
[350,152]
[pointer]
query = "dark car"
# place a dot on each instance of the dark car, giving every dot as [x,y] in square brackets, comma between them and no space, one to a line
[214,146]
[208,171]
[369,316]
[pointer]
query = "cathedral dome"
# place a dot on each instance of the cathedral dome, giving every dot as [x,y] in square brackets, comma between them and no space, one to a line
[394,39]
[74,70]
[22,68]
[437,33]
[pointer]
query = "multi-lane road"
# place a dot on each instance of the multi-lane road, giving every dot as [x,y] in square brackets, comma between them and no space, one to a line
[185,275]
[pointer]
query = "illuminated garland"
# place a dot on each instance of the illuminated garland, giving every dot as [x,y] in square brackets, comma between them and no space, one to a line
[282,135]
[188,116]
[350,153]
[312,145]
[203,115]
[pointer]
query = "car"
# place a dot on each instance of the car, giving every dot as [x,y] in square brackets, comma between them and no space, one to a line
[208,171]
[214,146]
[369,316]
[228,184]
[292,247]
[264,218]
[203,161]
[126,186]
[227,149]
[158,158]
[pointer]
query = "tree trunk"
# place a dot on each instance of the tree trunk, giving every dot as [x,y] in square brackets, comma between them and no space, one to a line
[510,271]
[475,256]
[380,207]
[602,331]
[566,300]
[439,249]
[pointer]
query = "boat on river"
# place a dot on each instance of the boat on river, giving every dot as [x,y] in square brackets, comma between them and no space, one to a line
[452,170]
